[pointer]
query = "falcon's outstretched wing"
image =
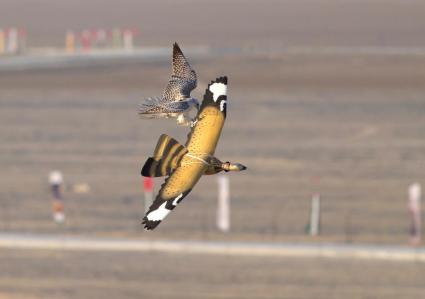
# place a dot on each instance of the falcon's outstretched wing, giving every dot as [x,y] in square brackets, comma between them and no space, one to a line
[183,79]
[175,96]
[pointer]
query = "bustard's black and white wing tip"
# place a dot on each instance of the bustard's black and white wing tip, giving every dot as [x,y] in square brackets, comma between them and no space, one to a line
[222,80]
[217,88]
[161,208]
[216,95]
[149,224]
[157,212]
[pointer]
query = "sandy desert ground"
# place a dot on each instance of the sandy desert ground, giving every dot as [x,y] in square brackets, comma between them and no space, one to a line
[95,275]
[350,128]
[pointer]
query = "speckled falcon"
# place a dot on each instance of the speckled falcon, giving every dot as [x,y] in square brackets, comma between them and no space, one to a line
[185,164]
[176,100]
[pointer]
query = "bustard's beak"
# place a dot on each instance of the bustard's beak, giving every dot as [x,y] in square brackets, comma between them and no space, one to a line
[240,167]
[233,166]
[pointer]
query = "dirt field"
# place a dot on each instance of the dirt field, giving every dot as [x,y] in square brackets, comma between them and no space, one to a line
[348,127]
[106,275]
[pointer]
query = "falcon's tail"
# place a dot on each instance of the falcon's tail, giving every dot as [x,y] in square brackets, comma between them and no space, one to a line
[151,108]
[166,157]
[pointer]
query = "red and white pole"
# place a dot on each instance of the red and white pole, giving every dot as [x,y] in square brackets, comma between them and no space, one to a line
[148,189]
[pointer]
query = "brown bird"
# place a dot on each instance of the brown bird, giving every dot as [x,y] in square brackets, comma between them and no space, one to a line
[186,164]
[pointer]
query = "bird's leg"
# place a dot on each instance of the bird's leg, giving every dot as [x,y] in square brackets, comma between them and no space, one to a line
[183,120]
[193,122]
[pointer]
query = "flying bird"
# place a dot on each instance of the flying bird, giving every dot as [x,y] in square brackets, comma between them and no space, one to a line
[185,164]
[176,100]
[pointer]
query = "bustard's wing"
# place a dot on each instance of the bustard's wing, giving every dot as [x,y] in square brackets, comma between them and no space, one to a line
[191,166]
[183,79]
[175,188]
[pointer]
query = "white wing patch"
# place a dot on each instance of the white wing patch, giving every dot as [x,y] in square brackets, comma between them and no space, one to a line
[159,214]
[175,201]
[218,89]
[223,105]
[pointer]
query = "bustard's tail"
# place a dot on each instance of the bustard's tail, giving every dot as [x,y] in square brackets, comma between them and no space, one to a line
[166,157]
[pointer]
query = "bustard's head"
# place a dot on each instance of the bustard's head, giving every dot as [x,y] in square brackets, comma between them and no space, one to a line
[227,166]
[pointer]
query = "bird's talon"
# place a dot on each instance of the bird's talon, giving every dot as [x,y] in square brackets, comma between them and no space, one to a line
[193,123]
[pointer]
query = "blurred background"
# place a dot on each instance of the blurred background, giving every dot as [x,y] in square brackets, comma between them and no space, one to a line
[326,100]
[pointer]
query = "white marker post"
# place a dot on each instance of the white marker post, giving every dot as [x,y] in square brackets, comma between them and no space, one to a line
[22,41]
[101,38]
[116,38]
[148,188]
[223,206]
[128,39]
[414,206]
[2,42]
[70,42]
[56,186]
[12,40]
[315,215]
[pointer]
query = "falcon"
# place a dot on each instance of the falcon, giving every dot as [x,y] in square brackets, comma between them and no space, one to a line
[185,164]
[176,100]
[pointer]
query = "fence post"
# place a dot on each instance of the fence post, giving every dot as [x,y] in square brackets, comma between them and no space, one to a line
[116,38]
[414,206]
[70,42]
[314,228]
[2,42]
[128,39]
[86,40]
[223,205]
[12,40]
[56,186]
[148,188]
